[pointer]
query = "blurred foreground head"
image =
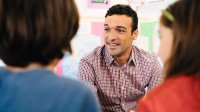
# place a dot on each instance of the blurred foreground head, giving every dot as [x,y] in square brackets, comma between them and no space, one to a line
[36,31]
[183,18]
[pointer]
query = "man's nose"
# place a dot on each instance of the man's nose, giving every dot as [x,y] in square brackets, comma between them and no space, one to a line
[112,35]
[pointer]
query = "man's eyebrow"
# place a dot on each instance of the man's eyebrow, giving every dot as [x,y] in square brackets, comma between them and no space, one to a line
[116,26]
[121,27]
[105,24]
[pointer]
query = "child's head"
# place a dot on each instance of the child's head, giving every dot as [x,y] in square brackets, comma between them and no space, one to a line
[36,31]
[182,18]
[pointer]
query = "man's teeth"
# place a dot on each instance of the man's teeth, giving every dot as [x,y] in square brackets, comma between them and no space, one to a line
[113,44]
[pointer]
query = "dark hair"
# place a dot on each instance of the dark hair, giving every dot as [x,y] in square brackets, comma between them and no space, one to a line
[36,30]
[185,55]
[120,9]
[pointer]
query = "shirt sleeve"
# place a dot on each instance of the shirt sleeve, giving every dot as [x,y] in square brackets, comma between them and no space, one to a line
[156,73]
[86,73]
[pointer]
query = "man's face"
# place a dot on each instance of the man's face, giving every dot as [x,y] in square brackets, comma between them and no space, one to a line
[117,35]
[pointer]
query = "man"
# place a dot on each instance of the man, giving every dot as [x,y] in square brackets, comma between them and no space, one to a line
[118,71]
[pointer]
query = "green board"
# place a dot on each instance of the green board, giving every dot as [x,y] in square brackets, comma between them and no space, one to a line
[147,30]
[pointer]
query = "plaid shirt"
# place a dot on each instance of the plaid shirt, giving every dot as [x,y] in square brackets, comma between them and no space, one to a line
[119,87]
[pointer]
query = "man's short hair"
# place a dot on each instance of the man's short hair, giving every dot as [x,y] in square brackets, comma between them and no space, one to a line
[121,9]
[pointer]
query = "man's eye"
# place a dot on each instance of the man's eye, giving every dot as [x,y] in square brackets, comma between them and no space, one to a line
[106,29]
[120,30]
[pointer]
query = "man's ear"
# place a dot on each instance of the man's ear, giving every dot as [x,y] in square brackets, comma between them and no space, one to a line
[135,34]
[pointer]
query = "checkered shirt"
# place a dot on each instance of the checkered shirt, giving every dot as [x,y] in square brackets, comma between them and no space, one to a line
[119,87]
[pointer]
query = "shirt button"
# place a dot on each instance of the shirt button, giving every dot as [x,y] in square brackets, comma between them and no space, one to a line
[122,105]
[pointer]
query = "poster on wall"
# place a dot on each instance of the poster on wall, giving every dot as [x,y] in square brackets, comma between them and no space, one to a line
[98,3]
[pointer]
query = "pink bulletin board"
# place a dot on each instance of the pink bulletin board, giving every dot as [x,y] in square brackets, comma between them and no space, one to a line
[97,30]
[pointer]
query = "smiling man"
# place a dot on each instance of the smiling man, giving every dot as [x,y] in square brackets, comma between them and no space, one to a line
[119,72]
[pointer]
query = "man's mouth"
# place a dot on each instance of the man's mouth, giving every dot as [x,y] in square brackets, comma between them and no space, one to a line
[113,45]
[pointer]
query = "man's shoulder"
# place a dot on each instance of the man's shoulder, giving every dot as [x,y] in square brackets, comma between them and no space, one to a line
[145,55]
[93,55]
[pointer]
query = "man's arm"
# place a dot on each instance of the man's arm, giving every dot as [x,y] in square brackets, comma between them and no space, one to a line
[86,73]
[156,73]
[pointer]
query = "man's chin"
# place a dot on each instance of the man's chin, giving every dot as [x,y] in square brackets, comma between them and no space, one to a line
[113,53]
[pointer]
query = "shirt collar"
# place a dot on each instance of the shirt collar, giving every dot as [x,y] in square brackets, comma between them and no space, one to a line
[110,59]
[134,56]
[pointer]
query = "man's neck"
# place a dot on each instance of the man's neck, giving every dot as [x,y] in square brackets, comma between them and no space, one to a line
[122,59]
